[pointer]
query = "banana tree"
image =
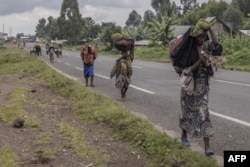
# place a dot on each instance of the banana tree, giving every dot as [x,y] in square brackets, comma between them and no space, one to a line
[162,30]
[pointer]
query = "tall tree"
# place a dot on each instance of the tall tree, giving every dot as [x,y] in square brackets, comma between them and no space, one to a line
[188,5]
[70,21]
[88,26]
[148,17]
[41,28]
[162,7]
[106,35]
[48,26]
[233,17]
[134,19]
[244,7]
[55,29]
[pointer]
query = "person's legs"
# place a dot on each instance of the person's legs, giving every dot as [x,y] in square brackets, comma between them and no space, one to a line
[123,93]
[91,81]
[91,74]
[184,139]
[208,150]
[86,74]
[86,81]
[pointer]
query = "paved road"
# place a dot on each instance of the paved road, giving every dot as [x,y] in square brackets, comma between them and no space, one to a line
[154,95]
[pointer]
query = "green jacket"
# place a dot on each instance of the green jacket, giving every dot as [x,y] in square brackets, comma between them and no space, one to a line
[123,66]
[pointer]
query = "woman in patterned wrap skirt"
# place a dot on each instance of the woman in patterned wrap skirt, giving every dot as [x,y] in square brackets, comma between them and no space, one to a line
[194,117]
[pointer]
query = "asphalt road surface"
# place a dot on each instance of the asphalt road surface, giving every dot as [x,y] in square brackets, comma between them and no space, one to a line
[154,95]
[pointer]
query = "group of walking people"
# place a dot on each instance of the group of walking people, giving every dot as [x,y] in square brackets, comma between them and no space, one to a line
[191,61]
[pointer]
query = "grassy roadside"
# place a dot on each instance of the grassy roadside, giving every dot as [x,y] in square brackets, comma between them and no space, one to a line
[93,108]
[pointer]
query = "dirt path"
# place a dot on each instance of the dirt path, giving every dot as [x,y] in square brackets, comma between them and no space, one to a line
[30,143]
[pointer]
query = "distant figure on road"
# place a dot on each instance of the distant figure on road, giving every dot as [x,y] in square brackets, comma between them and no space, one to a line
[88,56]
[51,51]
[191,62]
[122,69]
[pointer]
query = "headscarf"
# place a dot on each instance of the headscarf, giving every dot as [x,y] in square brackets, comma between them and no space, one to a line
[201,26]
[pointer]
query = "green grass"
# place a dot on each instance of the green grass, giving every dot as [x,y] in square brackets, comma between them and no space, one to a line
[80,146]
[93,108]
[7,158]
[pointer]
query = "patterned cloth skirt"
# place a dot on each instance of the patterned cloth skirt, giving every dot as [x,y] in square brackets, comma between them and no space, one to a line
[194,116]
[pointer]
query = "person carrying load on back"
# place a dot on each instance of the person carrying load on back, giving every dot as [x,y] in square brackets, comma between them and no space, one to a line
[88,55]
[190,59]
[122,69]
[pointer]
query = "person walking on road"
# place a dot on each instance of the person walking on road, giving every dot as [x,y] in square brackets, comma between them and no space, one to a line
[192,64]
[122,69]
[88,55]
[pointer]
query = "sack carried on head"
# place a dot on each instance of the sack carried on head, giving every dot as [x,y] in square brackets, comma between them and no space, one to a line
[124,44]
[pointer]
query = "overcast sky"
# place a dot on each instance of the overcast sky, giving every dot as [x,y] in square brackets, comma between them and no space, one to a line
[21,16]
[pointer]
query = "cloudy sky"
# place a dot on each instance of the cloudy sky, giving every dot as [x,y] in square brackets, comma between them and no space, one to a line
[21,16]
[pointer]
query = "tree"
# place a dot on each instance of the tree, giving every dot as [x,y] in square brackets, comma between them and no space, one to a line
[233,17]
[90,28]
[244,7]
[212,8]
[48,26]
[70,21]
[139,32]
[162,7]
[41,28]
[19,35]
[148,17]
[55,29]
[106,35]
[134,19]
[188,5]
[161,30]
[216,8]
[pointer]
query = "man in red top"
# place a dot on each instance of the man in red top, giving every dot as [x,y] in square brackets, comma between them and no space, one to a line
[88,55]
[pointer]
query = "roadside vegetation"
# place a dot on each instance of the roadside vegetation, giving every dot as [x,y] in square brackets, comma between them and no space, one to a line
[159,149]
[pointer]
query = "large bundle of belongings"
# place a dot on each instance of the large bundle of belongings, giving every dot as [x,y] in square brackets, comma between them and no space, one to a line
[124,44]
[183,51]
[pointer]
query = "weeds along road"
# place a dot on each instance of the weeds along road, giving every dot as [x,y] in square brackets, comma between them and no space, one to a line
[154,95]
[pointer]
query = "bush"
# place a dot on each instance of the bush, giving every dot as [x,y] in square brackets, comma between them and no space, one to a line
[241,57]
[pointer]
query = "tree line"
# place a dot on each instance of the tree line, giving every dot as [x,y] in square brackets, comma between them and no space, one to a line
[153,25]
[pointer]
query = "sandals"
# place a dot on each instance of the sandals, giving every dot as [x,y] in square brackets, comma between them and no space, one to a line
[209,152]
[185,143]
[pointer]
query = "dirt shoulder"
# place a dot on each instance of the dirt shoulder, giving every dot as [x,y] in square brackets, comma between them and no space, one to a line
[43,144]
